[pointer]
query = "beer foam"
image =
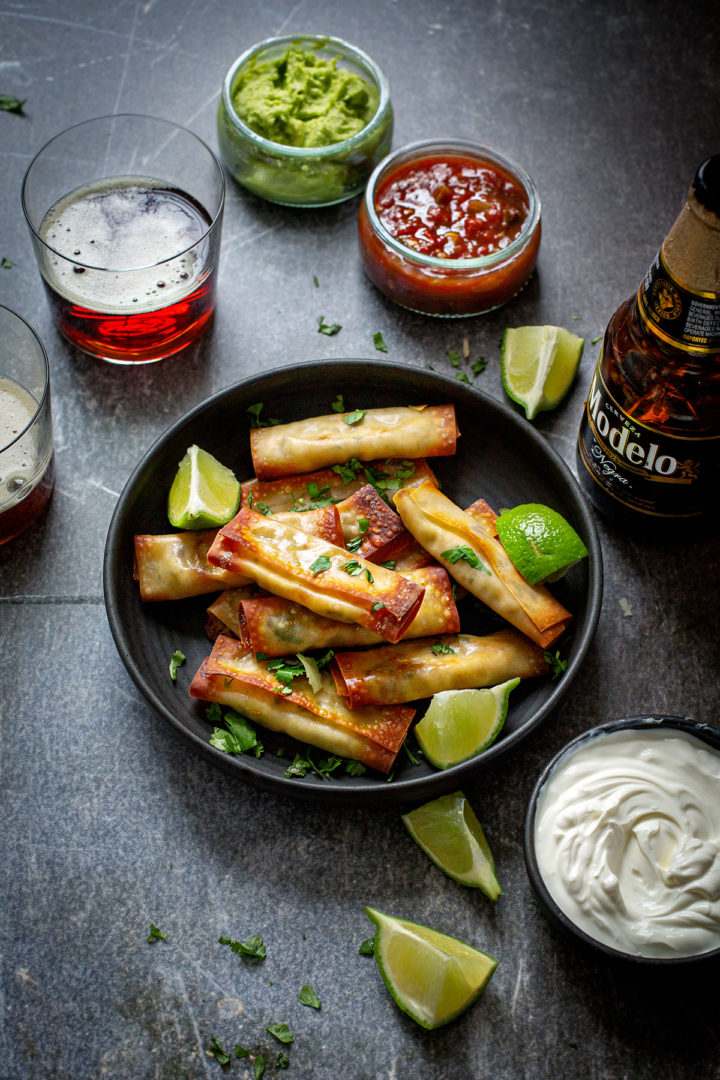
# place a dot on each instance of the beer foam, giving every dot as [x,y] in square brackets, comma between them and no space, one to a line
[21,465]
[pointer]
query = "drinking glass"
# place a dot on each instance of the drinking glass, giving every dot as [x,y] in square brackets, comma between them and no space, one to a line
[26,443]
[125,214]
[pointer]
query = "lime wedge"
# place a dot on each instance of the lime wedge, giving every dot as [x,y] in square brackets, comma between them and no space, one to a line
[432,977]
[204,493]
[460,724]
[540,542]
[538,365]
[450,834]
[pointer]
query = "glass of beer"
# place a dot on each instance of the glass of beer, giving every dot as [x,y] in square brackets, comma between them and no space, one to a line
[26,442]
[125,214]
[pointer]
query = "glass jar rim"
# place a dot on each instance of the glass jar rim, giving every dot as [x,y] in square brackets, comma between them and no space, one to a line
[413,150]
[45,363]
[217,216]
[305,152]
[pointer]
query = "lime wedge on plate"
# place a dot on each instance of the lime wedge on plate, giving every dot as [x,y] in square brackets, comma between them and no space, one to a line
[460,724]
[539,541]
[538,365]
[432,977]
[450,834]
[204,493]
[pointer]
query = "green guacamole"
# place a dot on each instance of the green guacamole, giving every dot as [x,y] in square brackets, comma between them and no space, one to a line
[299,99]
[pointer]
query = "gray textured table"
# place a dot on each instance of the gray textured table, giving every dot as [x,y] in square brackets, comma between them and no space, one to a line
[110,822]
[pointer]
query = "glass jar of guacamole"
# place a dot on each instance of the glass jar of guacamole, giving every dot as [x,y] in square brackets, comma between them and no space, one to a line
[303,121]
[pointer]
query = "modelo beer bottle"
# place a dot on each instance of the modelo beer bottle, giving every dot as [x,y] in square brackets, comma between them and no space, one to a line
[649,440]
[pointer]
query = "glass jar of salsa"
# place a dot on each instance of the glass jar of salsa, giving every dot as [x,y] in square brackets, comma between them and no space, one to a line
[448,227]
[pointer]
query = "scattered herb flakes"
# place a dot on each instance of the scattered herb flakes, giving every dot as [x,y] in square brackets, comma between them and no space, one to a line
[454,357]
[355,768]
[330,329]
[307,996]
[321,563]
[241,1051]
[575,318]
[6,264]
[8,103]
[379,343]
[304,763]
[354,417]
[367,947]
[440,648]
[338,404]
[413,756]
[369,576]
[259,1067]
[255,418]
[282,1060]
[355,544]
[453,555]
[155,935]
[625,606]
[352,568]
[349,471]
[377,606]
[390,564]
[316,283]
[239,737]
[595,340]
[254,947]
[176,660]
[555,663]
[462,377]
[215,1050]
[363,525]
[478,366]
[281,1032]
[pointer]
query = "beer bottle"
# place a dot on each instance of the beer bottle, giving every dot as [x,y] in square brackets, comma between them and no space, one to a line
[649,440]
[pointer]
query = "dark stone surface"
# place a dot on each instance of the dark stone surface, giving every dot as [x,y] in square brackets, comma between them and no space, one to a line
[110,822]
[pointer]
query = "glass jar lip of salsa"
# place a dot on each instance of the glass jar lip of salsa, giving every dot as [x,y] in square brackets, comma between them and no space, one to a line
[454,149]
[329,48]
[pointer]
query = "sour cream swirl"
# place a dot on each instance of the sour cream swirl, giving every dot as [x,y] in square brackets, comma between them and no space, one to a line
[627,839]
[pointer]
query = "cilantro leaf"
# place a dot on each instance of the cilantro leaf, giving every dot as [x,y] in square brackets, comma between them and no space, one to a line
[454,357]
[354,417]
[176,660]
[320,564]
[302,764]
[479,365]
[338,404]
[330,329]
[379,343]
[254,947]
[390,563]
[348,472]
[215,1050]
[462,376]
[8,103]
[282,1060]
[453,555]
[355,544]
[367,947]
[440,648]
[155,935]
[316,283]
[355,768]
[241,1051]
[377,606]
[6,264]
[352,568]
[307,996]
[239,737]
[281,1032]
[259,1067]
[256,420]
[556,664]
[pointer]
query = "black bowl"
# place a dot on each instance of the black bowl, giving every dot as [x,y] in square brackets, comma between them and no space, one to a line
[500,458]
[701,731]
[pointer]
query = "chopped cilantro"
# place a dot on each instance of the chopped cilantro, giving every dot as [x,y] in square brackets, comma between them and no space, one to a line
[241,1051]
[479,365]
[282,1060]
[215,1050]
[363,525]
[462,376]
[281,1032]
[256,420]
[369,576]
[8,103]
[352,568]
[355,544]
[454,357]
[303,763]
[259,1067]
[379,343]
[556,665]
[367,947]
[330,329]
[390,564]
[155,935]
[440,648]
[596,339]
[6,264]
[240,735]
[377,606]
[254,947]
[307,996]
[453,555]
[320,564]
[316,283]
[355,768]
[414,757]
[354,417]
[348,472]
[338,404]
[176,660]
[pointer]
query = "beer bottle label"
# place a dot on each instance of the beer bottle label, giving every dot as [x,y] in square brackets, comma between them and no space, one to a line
[680,316]
[646,470]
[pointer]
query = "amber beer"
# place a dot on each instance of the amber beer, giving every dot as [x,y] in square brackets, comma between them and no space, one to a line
[649,440]
[26,460]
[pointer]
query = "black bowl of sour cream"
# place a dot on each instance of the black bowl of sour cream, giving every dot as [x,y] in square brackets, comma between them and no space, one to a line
[622,839]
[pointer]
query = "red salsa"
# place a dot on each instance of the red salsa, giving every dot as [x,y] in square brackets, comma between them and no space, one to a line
[452,207]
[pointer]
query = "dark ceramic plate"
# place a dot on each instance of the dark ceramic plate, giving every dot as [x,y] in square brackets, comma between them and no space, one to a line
[500,458]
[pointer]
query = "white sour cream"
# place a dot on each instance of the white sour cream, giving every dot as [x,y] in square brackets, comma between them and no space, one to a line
[627,839]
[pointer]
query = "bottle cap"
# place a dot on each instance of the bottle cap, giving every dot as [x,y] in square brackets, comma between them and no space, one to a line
[706,185]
